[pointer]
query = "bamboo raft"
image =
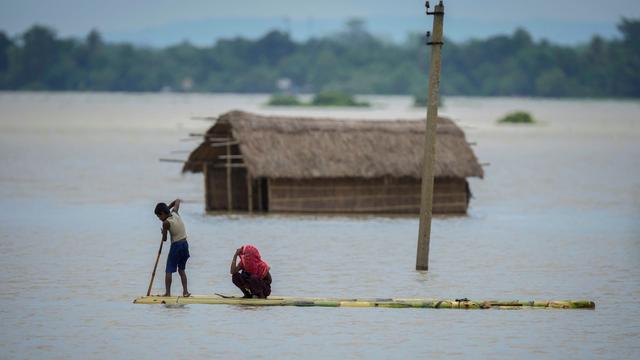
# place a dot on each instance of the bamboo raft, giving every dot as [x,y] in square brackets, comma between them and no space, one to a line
[385,303]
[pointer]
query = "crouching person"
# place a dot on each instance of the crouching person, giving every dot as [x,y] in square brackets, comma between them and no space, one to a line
[251,274]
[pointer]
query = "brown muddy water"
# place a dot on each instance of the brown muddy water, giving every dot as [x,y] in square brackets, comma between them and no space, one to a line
[557,216]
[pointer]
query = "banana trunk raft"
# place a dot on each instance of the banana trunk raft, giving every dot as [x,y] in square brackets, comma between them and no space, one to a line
[386,303]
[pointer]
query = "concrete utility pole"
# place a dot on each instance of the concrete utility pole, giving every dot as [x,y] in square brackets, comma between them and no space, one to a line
[426,203]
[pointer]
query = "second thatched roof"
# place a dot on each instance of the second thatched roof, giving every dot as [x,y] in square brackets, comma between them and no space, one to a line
[302,147]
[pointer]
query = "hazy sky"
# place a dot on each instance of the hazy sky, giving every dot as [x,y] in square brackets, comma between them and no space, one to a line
[122,17]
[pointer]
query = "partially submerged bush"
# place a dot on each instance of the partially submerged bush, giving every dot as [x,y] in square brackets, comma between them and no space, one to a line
[336,98]
[517,117]
[284,100]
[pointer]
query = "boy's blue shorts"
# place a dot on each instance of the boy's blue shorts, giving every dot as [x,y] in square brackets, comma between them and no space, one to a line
[178,255]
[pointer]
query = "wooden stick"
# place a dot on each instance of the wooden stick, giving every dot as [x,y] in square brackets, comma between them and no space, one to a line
[153,274]
[269,195]
[224,144]
[352,197]
[250,192]
[210,137]
[208,118]
[260,208]
[380,187]
[205,171]
[230,166]
[225,296]
[172,160]
[277,206]
[229,199]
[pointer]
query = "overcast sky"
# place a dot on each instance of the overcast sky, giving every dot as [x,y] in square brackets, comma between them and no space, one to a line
[123,18]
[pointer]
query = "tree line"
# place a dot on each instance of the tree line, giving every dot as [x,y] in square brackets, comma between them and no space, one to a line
[353,61]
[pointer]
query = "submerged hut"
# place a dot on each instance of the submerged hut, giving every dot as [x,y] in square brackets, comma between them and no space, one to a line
[316,165]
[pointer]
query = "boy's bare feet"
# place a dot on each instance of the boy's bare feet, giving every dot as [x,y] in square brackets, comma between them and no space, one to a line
[166,295]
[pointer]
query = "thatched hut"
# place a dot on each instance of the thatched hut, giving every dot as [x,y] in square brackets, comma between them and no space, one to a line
[316,165]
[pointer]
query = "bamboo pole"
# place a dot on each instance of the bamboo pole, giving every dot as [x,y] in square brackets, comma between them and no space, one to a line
[249,193]
[229,199]
[355,197]
[207,118]
[226,165]
[424,232]
[269,195]
[260,208]
[205,171]
[224,144]
[153,274]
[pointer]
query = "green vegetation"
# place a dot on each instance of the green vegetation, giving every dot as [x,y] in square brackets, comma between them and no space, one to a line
[517,117]
[284,100]
[336,98]
[352,61]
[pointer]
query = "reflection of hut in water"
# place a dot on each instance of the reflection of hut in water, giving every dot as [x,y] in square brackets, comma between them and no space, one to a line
[317,165]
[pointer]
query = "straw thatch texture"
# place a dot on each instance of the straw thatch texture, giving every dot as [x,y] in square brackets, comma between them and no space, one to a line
[302,148]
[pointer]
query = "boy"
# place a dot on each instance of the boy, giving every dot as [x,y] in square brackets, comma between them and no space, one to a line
[179,252]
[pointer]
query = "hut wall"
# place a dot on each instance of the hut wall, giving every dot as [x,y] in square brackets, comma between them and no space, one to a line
[215,180]
[450,196]
[216,189]
[357,195]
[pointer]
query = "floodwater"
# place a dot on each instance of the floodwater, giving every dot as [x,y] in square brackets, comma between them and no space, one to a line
[557,216]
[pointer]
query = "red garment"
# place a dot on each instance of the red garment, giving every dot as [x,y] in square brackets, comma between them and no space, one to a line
[251,262]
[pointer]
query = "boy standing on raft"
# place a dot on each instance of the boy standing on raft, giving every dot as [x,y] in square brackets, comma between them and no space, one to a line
[251,275]
[179,252]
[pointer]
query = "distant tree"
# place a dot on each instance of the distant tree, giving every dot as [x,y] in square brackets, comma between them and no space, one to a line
[35,57]
[354,33]
[351,61]
[627,59]
[5,45]
[630,29]
[272,47]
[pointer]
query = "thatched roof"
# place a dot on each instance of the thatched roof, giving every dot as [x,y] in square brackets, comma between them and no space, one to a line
[299,147]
